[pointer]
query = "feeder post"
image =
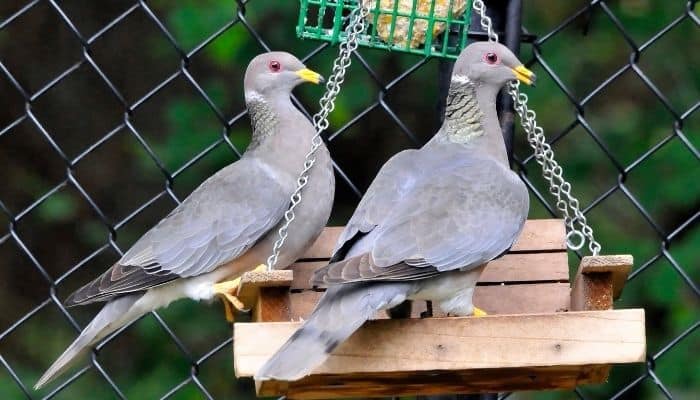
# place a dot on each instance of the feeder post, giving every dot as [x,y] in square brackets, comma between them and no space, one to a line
[512,26]
[506,16]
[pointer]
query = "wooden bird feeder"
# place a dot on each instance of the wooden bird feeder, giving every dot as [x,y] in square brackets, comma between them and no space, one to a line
[544,330]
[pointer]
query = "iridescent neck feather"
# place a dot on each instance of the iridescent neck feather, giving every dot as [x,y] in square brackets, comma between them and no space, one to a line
[262,118]
[463,117]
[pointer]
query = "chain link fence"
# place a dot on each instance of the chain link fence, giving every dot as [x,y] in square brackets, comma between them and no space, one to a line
[112,112]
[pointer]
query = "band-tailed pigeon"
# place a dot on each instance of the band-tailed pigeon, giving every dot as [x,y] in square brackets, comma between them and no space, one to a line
[229,224]
[428,223]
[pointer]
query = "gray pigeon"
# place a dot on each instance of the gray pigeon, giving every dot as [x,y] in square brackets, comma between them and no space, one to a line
[428,224]
[229,224]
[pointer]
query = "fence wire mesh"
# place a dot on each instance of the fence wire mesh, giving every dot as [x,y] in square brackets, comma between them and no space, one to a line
[91,159]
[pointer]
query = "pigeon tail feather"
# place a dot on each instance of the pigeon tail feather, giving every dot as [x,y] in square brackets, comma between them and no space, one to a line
[341,311]
[112,316]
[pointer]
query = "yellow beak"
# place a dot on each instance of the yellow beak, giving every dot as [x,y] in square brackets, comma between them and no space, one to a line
[310,76]
[524,75]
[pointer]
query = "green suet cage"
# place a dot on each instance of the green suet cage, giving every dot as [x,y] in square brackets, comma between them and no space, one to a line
[411,26]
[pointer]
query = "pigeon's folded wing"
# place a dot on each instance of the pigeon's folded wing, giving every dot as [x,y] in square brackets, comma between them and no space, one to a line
[219,221]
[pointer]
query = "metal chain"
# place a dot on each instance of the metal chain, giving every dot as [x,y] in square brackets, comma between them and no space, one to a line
[552,173]
[485,20]
[578,229]
[320,120]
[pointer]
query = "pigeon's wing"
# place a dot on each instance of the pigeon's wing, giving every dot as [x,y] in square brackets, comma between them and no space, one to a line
[466,212]
[220,220]
[389,186]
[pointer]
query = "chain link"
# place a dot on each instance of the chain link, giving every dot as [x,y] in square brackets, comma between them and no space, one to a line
[320,120]
[485,20]
[578,229]
[552,172]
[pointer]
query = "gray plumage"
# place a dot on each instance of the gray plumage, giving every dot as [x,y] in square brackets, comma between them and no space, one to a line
[229,223]
[428,223]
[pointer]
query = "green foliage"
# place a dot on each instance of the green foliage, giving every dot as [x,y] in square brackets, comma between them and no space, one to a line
[60,207]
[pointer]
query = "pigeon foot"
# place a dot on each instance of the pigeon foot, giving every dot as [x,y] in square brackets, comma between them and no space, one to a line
[478,312]
[227,291]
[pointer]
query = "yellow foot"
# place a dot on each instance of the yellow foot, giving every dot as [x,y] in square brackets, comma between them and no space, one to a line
[228,290]
[478,312]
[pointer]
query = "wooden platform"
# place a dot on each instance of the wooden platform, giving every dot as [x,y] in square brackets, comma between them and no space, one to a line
[539,334]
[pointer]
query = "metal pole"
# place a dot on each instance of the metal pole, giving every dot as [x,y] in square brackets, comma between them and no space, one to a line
[512,28]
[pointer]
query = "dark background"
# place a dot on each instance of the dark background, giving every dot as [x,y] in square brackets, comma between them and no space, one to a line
[112,111]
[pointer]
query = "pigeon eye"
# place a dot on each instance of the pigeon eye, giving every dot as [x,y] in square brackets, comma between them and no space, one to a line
[275,66]
[491,58]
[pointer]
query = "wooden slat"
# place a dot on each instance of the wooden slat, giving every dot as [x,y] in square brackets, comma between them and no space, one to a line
[525,267]
[252,281]
[303,271]
[542,235]
[436,382]
[405,346]
[529,267]
[272,305]
[537,235]
[324,244]
[523,299]
[497,299]
[598,281]
[618,265]
[592,292]
[301,304]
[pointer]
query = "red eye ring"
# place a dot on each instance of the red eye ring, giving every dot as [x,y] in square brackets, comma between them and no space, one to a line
[274,66]
[491,58]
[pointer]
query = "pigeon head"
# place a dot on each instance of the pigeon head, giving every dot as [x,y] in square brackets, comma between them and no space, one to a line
[276,72]
[492,64]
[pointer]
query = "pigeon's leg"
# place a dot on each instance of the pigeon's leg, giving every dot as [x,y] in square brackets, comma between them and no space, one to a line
[227,289]
[401,311]
[224,290]
[478,312]
[428,313]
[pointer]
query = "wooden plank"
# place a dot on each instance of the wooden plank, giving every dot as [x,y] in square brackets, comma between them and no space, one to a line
[608,263]
[252,281]
[303,271]
[450,344]
[592,292]
[599,281]
[518,267]
[619,265]
[541,235]
[537,235]
[324,244]
[436,382]
[273,305]
[274,278]
[301,304]
[523,299]
[497,299]
[528,267]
